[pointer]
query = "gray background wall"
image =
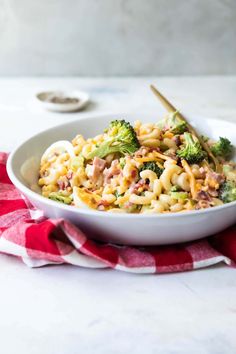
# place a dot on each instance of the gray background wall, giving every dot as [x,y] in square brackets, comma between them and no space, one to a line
[117,37]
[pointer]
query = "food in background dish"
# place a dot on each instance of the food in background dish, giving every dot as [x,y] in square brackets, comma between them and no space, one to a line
[58,98]
[146,168]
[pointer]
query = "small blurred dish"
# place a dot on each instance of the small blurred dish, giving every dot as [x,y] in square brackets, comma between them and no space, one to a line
[63,101]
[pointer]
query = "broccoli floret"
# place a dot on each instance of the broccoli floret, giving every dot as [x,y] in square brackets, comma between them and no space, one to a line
[192,151]
[227,192]
[163,146]
[121,138]
[175,189]
[77,162]
[122,162]
[151,166]
[60,197]
[222,148]
[117,194]
[229,171]
[179,195]
[134,208]
[173,123]
[205,138]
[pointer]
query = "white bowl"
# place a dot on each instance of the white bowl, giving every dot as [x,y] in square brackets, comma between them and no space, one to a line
[133,229]
[43,99]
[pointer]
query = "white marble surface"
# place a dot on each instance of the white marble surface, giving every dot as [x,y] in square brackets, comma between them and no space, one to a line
[63,309]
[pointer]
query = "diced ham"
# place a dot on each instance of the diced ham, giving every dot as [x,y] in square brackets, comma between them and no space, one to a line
[202,204]
[202,195]
[213,192]
[213,179]
[97,167]
[99,163]
[63,183]
[111,171]
[177,140]
[69,175]
[134,174]
[142,151]
[140,184]
[103,203]
[128,205]
[202,171]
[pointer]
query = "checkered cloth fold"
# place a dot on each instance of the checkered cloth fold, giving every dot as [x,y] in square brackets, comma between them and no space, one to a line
[38,241]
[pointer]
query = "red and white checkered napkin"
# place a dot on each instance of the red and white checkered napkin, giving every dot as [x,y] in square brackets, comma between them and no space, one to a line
[38,241]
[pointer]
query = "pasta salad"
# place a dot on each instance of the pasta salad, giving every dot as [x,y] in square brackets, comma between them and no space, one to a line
[145,168]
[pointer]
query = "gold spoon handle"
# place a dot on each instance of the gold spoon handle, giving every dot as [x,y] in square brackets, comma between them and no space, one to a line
[170,108]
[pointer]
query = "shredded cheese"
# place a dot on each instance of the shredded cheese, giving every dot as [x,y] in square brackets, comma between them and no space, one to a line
[193,187]
[164,157]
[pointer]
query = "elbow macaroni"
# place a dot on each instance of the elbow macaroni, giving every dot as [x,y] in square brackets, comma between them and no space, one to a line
[118,184]
[167,175]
